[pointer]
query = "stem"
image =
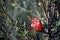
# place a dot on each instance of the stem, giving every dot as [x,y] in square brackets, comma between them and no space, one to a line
[37,36]
[49,29]
[52,18]
[55,7]
[49,19]
[44,9]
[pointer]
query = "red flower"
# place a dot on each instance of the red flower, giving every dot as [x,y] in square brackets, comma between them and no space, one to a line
[36,24]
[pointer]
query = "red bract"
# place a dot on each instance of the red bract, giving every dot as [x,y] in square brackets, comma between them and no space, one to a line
[36,24]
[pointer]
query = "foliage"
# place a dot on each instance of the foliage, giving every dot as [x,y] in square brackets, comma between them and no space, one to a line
[17,16]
